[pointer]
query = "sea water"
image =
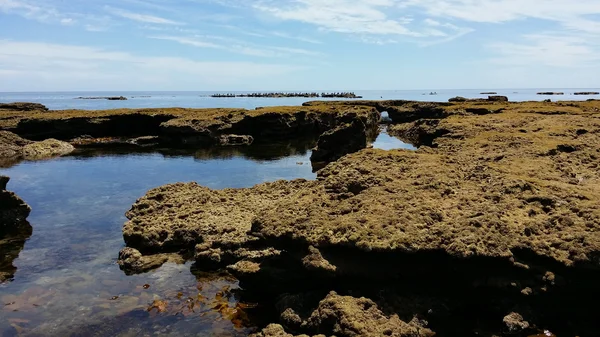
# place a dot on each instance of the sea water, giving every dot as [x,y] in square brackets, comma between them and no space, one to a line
[203,99]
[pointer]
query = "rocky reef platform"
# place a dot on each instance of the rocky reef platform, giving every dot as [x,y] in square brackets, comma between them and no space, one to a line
[21,124]
[492,227]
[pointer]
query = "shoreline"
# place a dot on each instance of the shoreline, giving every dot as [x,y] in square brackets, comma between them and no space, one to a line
[499,205]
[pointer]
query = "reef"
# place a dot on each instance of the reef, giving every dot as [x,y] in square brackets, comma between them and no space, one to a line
[14,229]
[491,222]
[184,128]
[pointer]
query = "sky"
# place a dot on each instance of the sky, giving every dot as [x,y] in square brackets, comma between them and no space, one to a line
[75,45]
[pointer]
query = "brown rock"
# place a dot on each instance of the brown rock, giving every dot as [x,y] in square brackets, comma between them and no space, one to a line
[132,262]
[497,98]
[11,145]
[344,139]
[514,322]
[349,316]
[315,261]
[23,106]
[46,149]
[214,218]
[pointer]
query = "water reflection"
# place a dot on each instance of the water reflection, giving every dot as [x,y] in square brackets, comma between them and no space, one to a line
[11,245]
[386,142]
[67,281]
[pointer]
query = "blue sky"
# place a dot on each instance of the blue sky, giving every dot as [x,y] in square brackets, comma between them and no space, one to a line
[55,45]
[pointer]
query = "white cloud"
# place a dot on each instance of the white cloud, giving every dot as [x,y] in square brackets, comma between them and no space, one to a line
[498,11]
[139,17]
[34,11]
[235,46]
[547,50]
[343,16]
[31,65]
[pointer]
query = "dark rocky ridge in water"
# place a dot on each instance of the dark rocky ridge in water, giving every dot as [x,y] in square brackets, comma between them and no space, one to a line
[496,213]
[194,128]
[14,229]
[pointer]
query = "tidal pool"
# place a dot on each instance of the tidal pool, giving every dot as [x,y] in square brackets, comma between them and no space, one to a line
[67,282]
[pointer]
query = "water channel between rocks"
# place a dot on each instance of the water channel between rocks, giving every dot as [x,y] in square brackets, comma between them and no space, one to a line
[67,281]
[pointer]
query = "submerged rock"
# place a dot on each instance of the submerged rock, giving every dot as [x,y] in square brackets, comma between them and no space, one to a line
[132,261]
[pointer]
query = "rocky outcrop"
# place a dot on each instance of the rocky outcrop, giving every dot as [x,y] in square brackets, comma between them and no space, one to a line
[11,146]
[46,149]
[497,98]
[22,106]
[13,210]
[587,93]
[503,207]
[14,148]
[14,229]
[176,127]
[549,93]
[344,139]
[346,316]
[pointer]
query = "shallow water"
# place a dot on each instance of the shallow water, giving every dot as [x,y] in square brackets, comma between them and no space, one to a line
[202,99]
[386,142]
[67,282]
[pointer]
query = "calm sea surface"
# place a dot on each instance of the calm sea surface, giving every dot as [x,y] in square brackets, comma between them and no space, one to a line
[202,99]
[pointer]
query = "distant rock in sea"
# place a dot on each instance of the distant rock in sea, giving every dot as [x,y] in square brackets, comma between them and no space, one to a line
[110,98]
[587,93]
[547,93]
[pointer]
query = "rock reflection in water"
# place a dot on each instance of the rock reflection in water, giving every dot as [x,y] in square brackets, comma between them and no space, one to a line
[11,245]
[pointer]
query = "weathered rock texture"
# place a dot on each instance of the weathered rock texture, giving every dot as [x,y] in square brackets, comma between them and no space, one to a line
[497,212]
[346,316]
[14,148]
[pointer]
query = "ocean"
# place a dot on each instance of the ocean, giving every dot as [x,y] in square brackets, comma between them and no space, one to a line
[203,99]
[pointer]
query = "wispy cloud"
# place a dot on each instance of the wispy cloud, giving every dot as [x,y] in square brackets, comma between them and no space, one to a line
[35,11]
[37,63]
[140,17]
[342,16]
[547,50]
[296,37]
[235,46]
